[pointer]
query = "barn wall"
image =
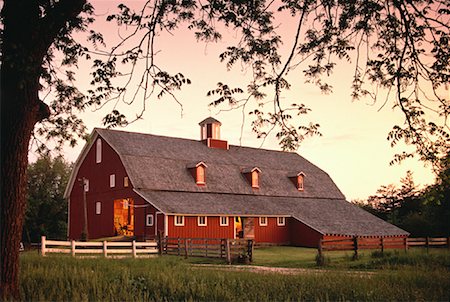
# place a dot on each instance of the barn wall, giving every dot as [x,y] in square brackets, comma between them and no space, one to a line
[272,233]
[98,174]
[303,235]
[192,230]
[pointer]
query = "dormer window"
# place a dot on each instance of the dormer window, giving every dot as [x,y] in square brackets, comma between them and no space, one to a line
[198,171]
[298,179]
[252,176]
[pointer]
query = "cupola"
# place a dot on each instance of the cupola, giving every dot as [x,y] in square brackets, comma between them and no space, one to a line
[210,133]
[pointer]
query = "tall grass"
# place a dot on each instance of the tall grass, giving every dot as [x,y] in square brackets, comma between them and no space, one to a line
[59,278]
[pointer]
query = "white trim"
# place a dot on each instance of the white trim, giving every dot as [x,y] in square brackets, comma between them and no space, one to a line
[234,227]
[175,223]
[283,223]
[152,220]
[166,225]
[227,221]
[68,217]
[261,223]
[198,221]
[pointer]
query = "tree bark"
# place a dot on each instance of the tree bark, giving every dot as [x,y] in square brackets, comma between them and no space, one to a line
[24,45]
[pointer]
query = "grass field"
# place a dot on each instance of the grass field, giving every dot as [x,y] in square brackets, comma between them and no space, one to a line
[415,276]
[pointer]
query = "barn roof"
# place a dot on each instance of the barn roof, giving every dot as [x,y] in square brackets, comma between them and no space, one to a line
[159,163]
[157,168]
[327,216]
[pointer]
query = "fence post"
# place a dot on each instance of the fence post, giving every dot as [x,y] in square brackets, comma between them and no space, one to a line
[185,248]
[405,243]
[206,247]
[355,247]
[227,245]
[320,258]
[382,244]
[448,243]
[250,249]
[160,244]
[105,249]
[178,242]
[134,249]
[427,242]
[73,247]
[43,245]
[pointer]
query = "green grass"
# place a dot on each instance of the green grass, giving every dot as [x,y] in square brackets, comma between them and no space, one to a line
[57,278]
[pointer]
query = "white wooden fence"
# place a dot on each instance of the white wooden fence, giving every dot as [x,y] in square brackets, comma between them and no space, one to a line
[105,248]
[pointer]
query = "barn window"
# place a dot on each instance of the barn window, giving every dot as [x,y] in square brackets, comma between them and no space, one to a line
[198,171]
[281,221]
[149,220]
[112,180]
[298,179]
[98,208]
[263,221]
[125,182]
[98,151]
[223,220]
[201,221]
[252,176]
[179,220]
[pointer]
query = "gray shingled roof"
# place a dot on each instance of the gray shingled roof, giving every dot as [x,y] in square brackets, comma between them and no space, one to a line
[156,166]
[327,216]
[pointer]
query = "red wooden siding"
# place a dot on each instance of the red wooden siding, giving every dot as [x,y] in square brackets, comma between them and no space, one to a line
[192,230]
[272,233]
[98,174]
[303,235]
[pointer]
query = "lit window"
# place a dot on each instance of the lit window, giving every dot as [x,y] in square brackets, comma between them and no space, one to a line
[98,208]
[179,220]
[125,181]
[149,220]
[112,180]
[263,221]
[201,220]
[281,221]
[223,220]
[98,151]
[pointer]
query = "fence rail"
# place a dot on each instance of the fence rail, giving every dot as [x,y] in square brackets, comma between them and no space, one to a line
[357,243]
[228,249]
[106,248]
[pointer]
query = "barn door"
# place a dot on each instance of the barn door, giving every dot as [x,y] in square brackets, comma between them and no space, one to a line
[249,227]
[124,217]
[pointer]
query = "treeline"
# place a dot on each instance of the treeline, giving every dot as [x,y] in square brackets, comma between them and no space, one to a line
[46,212]
[423,212]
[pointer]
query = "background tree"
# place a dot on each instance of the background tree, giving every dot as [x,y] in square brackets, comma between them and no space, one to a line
[421,212]
[398,45]
[46,212]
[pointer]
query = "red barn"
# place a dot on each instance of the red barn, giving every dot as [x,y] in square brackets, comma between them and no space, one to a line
[140,184]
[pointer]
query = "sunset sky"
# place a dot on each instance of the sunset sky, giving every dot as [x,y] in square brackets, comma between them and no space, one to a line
[353,149]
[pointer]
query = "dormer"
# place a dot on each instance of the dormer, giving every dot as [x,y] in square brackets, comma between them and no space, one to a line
[252,176]
[298,179]
[210,133]
[198,171]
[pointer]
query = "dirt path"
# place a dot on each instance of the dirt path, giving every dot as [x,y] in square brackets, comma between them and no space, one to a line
[279,270]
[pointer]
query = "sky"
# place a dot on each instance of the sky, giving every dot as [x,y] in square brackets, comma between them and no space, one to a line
[353,150]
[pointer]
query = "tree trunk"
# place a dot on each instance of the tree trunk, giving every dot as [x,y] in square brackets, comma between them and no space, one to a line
[27,36]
